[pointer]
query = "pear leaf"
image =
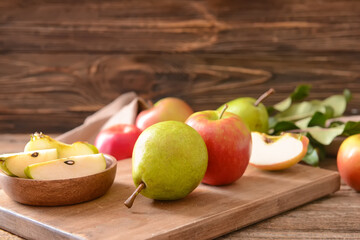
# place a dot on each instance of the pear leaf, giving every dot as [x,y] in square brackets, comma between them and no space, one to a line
[298,111]
[284,126]
[312,157]
[351,128]
[348,95]
[300,93]
[325,136]
[338,103]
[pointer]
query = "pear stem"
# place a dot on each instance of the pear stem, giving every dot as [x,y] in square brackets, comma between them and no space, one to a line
[223,111]
[263,96]
[129,202]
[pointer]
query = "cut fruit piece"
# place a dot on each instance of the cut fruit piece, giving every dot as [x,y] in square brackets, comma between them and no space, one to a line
[277,152]
[4,169]
[40,141]
[15,163]
[64,168]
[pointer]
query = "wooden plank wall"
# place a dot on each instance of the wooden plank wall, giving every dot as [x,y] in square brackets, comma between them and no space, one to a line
[62,60]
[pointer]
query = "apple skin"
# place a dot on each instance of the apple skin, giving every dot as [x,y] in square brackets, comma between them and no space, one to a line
[118,140]
[348,161]
[166,109]
[256,117]
[228,141]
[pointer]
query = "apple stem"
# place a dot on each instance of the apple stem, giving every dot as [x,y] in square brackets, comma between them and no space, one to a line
[129,202]
[263,96]
[223,111]
[145,104]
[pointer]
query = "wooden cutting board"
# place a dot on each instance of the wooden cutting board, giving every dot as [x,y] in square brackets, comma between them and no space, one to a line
[207,212]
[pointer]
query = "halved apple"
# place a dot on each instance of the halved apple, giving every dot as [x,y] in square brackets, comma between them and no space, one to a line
[64,168]
[277,152]
[14,164]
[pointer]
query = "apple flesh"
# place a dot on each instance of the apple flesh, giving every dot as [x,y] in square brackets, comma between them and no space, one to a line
[348,161]
[64,168]
[228,142]
[16,163]
[277,152]
[40,141]
[166,109]
[118,140]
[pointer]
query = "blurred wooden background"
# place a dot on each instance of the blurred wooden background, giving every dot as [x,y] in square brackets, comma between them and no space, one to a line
[62,60]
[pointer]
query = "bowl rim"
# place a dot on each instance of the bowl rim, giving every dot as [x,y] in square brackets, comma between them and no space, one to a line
[113,163]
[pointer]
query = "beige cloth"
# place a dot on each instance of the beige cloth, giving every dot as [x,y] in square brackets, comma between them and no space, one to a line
[122,110]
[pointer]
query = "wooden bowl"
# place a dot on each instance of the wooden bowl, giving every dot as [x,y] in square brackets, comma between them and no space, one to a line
[60,192]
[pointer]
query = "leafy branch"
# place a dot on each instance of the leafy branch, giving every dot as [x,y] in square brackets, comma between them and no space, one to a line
[312,118]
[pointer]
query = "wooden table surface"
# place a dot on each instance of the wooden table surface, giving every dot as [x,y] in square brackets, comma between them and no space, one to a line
[332,217]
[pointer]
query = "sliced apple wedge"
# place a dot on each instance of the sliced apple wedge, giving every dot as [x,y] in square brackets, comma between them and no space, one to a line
[14,164]
[42,141]
[64,168]
[4,169]
[277,152]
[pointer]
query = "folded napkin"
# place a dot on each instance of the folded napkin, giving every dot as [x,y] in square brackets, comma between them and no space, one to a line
[122,110]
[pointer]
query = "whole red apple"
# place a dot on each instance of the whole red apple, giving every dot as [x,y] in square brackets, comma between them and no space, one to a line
[166,109]
[118,140]
[348,161]
[228,142]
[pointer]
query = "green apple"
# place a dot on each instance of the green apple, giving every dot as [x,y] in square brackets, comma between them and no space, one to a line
[166,109]
[252,111]
[16,163]
[64,168]
[169,161]
[41,141]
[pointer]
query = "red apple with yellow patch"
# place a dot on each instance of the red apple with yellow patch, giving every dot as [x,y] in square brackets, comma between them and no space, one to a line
[348,161]
[166,109]
[228,142]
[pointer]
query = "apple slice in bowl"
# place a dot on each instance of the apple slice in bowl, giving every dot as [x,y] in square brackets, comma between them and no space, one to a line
[62,191]
[277,152]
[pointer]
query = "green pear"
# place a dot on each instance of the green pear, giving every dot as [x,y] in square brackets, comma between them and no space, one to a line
[251,110]
[169,161]
[64,168]
[40,141]
[15,163]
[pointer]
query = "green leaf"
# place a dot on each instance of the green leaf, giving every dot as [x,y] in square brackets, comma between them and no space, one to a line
[300,93]
[325,135]
[318,119]
[311,157]
[284,126]
[348,95]
[351,128]
[337,103]
[298,111]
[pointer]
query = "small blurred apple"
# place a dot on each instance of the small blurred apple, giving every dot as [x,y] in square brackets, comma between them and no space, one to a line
[348,161]
[166,109]
[228,141]
[118,140]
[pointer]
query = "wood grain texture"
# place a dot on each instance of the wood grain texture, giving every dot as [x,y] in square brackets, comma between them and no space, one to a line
[55,92]
[172,26]
[206,213]
[62,60]
[332,217]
